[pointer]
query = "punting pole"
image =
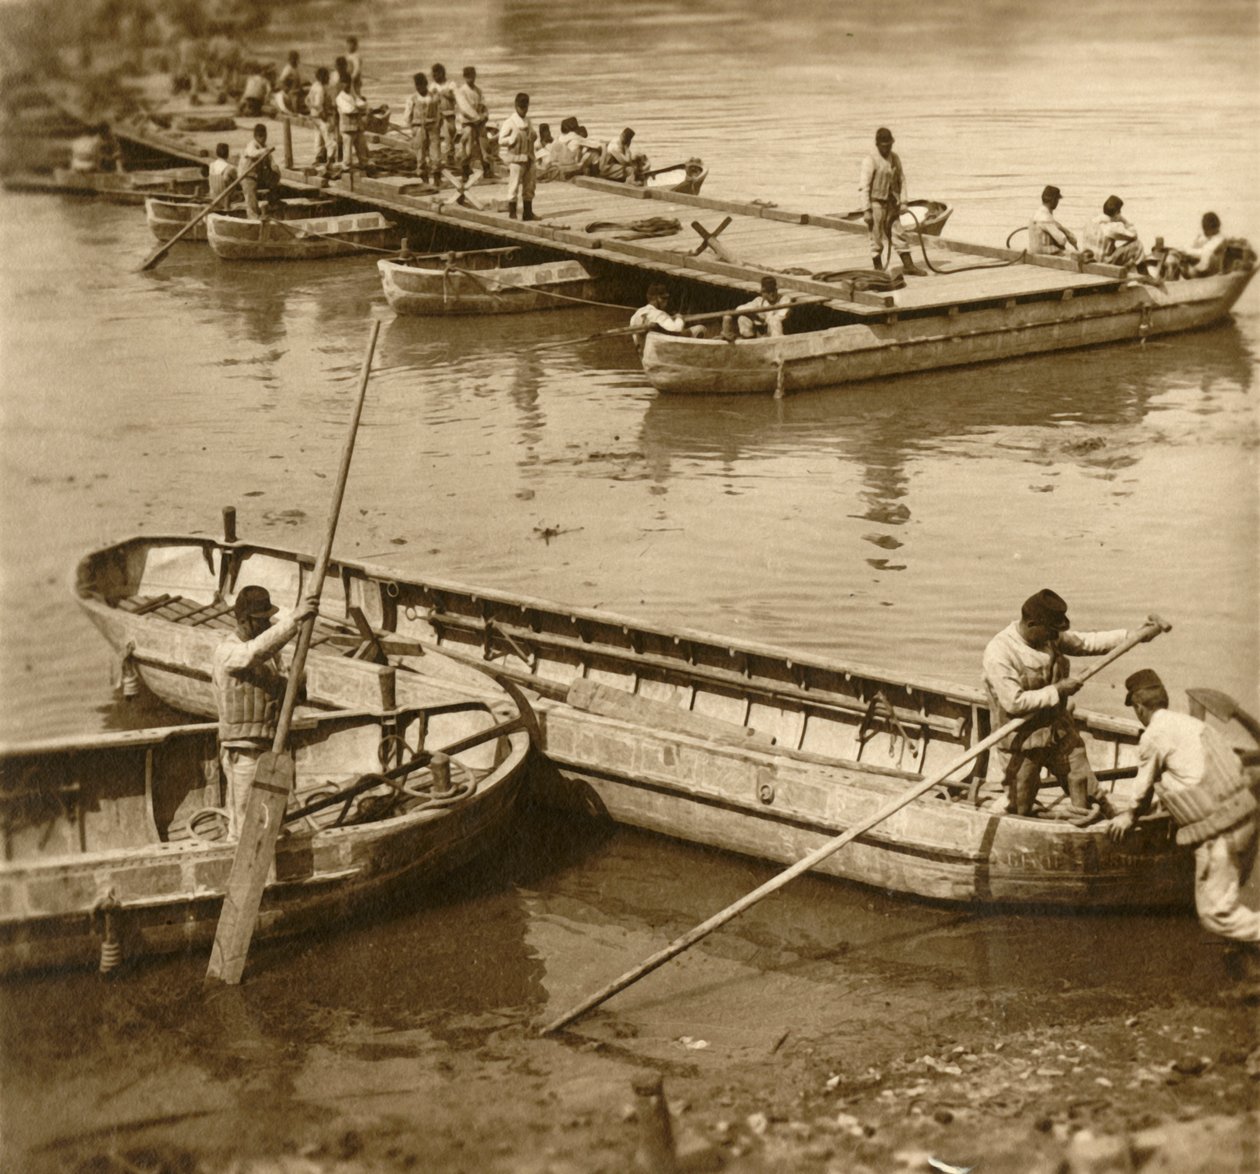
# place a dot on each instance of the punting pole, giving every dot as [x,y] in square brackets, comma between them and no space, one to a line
[273,780]
[1152,628]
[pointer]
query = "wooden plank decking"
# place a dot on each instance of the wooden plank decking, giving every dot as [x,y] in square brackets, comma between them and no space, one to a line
[760,239]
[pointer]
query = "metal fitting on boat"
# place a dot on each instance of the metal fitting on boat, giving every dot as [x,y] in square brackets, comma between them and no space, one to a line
[105,921]
[440,765]
[129,674]
[765,792]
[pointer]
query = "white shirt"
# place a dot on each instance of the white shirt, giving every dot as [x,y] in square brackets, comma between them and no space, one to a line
[773,319]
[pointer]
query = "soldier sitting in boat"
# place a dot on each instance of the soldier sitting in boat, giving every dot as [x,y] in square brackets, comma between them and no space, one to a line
[656,316]
[1046,236]
[1026,673]
[97,150]
[1113,240]
[248,689]
[618,162]
[1206,258]
[1199,780]
[769,323]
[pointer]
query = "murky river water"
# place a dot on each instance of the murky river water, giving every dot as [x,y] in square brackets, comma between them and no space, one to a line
[898,524]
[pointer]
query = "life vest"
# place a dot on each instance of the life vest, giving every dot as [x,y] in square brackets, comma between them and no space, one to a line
[249,703]
[1218,802]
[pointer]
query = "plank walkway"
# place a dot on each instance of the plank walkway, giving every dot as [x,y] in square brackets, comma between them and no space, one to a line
[760,239]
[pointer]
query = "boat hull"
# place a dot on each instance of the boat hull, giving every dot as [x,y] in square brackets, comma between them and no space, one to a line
[130,187]
[118,837]
[235,239]
[410,289]
[883,348]
[725,743]
[925,217]
[166,217]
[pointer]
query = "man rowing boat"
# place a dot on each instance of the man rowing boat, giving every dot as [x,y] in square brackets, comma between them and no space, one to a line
[656,316]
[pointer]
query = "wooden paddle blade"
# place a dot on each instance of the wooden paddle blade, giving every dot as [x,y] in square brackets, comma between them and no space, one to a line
[1224,708]
[273,783]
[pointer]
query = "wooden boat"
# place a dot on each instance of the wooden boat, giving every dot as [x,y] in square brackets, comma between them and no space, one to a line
[236,239]
[936,322]
[736,745]
[479,283]
[166,215]
[130,187]
[114,843]
[926,217]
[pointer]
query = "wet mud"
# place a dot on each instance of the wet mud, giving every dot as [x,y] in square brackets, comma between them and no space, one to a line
[829,1029]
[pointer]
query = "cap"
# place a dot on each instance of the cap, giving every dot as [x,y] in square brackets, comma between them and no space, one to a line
[770,283]
[1046,607]
[1050,192]
[253,602]
[1112,205]
[884,135]
[1142,679]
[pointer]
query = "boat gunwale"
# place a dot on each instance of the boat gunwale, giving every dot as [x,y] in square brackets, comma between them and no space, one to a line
[961,694]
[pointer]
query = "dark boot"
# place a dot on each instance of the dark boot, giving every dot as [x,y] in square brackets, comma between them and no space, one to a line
[909,268]
[512,209]
[878,263]
[528,211]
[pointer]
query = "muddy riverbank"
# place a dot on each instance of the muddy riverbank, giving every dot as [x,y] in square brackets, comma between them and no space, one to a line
[830,1029]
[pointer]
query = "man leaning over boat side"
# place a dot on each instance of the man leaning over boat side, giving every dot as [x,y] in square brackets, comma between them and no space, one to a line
[1027,674]
[882,190]
[1046,236]
[1200,782]
[248,689]
[656,316]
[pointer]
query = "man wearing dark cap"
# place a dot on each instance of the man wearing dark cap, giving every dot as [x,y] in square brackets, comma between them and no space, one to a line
[1046,236]
[620,162]
[882,190]
[1112,239]
[1027,674]
[775,309]
[248,689]
[1200,782]
[518,139]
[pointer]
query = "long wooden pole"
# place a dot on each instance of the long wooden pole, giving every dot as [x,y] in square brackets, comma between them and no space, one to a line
[165,247]
[274,776]
[1149,630]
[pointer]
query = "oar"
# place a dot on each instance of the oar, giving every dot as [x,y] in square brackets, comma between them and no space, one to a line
[1148,631]
[154,257]
[663,170]
[273,780]
[1224,708]
[714,316]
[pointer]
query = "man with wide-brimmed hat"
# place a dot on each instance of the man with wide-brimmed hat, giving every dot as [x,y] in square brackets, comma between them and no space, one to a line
[1027,674]
[248,688]
[1201,783]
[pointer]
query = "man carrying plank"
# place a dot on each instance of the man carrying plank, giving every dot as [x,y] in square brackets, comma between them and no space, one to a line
[1027,674]
[1201,784]
[248,688]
